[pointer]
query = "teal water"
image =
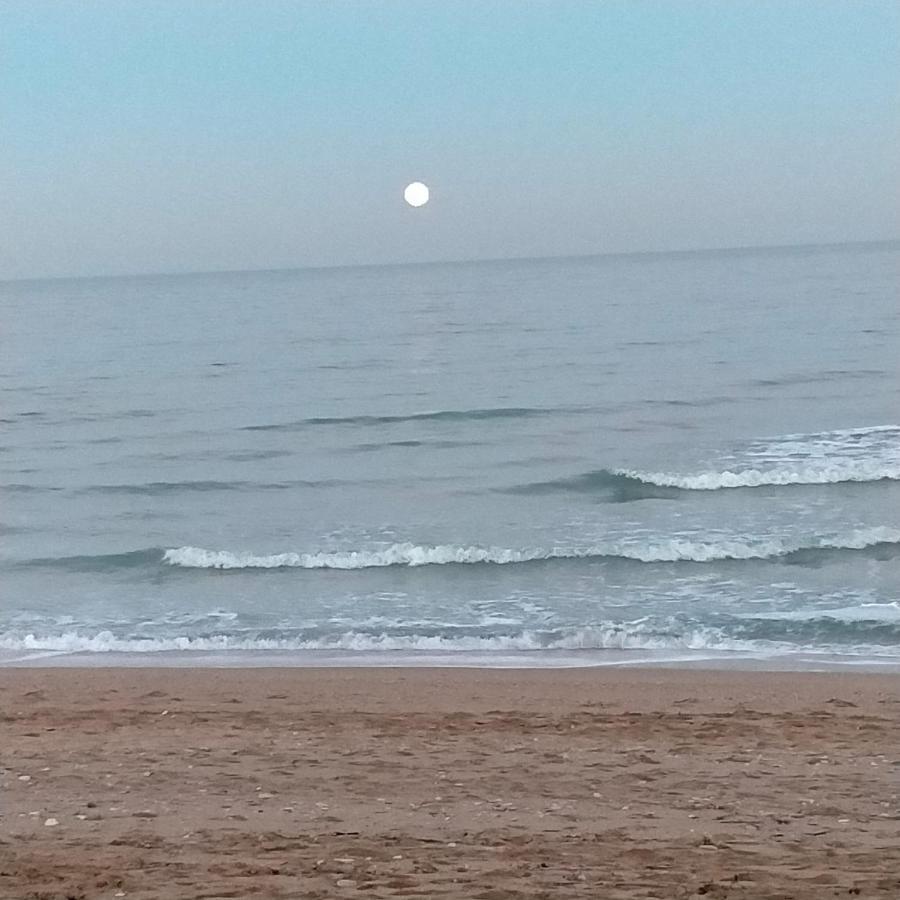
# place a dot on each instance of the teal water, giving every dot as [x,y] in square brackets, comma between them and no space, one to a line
[684,454]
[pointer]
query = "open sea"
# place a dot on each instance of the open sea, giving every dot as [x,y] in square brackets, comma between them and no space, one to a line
[657,457]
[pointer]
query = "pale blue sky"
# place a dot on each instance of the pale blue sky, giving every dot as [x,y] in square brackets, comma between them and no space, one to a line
[142,136]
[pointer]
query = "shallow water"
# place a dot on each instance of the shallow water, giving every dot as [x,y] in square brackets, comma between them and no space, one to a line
[680,455]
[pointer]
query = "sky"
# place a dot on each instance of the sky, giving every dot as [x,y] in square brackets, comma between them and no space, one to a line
[141,136]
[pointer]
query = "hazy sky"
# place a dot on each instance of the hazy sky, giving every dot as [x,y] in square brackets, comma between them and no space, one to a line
[141,136]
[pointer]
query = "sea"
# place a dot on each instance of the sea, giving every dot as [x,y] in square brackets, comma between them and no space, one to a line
[669,458]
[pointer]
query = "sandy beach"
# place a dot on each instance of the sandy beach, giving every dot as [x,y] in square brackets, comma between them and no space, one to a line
[148,783]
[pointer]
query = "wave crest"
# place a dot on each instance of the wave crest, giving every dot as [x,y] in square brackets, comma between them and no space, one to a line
[828,457]
[861,630]
[441,415]
[679,549]
[598,637]
[749,478]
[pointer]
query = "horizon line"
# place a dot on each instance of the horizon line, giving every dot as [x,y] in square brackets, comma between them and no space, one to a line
[477,260]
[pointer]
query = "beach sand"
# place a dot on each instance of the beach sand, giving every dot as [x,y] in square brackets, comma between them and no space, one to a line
[487,784]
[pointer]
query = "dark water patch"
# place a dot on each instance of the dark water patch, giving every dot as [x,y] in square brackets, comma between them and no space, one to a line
[690,404]
[159,488]
[254,455]
[398,444]
[184,456]
[374,446]
[105,562]
[817,377]
[531,461]
[29,488]
[12,529]
[143,513]
[854,373]
[600,484]
[668,423]
[382,445]
[816,557]
[787,381]
[116,416]
[447,415]
[817,631]
[162,488]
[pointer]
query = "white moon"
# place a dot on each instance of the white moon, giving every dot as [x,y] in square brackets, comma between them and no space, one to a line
[416,194]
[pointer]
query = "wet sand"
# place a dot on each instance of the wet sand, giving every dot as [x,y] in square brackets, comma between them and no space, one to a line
[487,784]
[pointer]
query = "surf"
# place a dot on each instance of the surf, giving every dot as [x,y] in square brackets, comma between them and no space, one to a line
[669,550]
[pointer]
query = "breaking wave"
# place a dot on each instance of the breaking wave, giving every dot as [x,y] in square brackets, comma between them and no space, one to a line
[879,543]
[829,457]
[602,637]
[861,630]
[748,478]
[685,549]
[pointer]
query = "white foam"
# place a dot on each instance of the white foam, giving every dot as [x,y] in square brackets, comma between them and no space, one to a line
[830,457]
[611,637]
[637,635]
[860,538]
[675,549]
[833,473]
[865,612]
[403,554]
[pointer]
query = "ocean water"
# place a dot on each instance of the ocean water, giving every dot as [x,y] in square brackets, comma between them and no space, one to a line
[672,456]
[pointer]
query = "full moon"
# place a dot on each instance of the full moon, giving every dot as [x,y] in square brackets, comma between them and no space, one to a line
[416,194]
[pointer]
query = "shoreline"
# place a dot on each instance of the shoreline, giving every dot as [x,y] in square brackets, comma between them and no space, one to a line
[521,660]
[456,783]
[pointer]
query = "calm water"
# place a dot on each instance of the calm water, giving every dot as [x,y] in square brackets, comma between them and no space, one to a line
[686,454]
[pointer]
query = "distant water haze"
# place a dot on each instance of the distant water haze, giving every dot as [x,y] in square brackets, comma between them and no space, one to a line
[688,454]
